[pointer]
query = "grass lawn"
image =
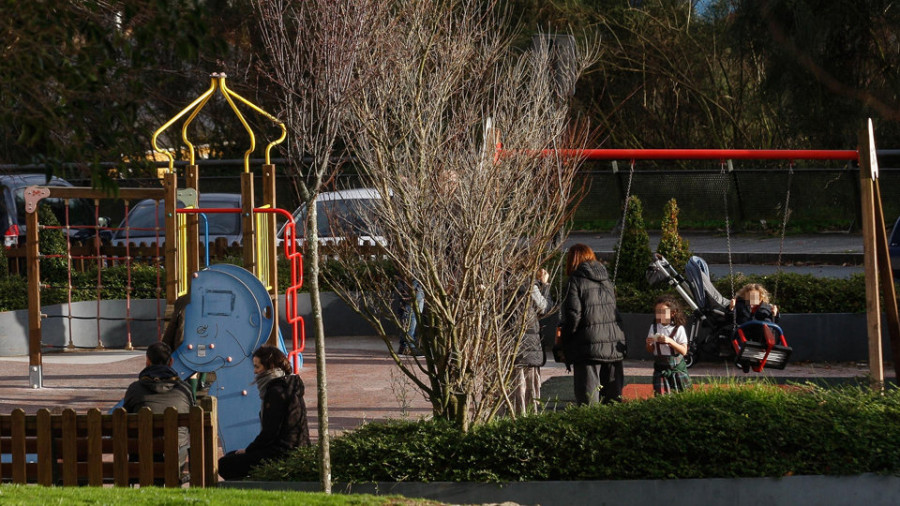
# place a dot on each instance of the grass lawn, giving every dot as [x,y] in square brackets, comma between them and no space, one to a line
[32,494]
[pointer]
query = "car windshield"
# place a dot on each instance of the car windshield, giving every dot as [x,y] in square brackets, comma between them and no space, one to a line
[342,217]
[143,221]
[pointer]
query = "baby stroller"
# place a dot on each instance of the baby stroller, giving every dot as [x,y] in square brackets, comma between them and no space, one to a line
[712,332]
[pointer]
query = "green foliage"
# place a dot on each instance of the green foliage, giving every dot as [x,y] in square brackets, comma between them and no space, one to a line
[796,293]
[4,262]
[750,430]
[671,245]
[634,250]
[13,293]
[51,243]
[805,293]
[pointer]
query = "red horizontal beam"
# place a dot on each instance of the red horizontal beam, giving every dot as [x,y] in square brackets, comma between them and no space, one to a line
[706,154]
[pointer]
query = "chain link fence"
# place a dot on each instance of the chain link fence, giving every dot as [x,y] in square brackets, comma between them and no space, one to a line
[820,198]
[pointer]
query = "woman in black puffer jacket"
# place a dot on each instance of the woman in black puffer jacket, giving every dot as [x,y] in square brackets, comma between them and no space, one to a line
[590,329]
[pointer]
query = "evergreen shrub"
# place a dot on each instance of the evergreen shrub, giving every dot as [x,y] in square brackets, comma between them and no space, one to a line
[722,431]
[633,252]
[676,249]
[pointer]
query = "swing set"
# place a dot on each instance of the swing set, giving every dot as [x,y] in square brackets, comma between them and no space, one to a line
[771,348]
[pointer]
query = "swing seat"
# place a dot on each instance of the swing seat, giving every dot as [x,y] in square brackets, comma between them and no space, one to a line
[758,344]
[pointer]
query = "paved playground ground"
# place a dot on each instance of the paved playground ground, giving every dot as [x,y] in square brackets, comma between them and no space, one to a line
[363,382]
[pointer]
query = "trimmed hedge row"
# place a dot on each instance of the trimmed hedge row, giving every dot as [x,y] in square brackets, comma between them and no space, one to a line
[755,430]
[797,293]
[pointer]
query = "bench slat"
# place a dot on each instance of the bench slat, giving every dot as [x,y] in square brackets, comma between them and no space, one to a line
[69,449]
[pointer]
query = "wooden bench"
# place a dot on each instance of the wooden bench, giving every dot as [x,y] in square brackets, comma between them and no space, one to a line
[93,449]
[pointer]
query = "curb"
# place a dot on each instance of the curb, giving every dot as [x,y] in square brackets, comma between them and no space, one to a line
[868,489]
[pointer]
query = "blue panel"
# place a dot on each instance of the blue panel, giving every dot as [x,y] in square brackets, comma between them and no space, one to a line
[229,317]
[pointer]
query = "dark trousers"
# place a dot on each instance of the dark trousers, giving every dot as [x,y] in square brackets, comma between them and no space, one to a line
[598,382]
[236,466]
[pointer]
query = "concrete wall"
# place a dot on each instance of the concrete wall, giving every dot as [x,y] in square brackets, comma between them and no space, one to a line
[831,337]
[146,325]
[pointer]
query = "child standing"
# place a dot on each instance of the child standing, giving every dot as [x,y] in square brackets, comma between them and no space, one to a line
[667,341]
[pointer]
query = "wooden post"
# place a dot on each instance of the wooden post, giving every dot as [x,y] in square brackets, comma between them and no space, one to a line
[269,200]
[69,435]
[170,437]
[198,457]
[35,372]
[192,180]
[868,171]
[887,281]
[95,447]
[249,231]
[145,447]
[120,447]
[44,448]
[170,184]
[211,440]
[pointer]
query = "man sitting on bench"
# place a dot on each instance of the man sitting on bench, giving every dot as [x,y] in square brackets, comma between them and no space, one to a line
[159,387]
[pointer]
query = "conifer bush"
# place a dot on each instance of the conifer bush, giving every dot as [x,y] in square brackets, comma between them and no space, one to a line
[671,245]
[633,252]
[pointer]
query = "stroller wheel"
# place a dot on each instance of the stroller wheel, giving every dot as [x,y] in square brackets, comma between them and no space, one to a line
[689,360]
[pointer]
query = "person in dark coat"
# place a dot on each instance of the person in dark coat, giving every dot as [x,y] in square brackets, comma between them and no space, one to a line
[282,418]
[158,388]
[591,329]
[530,358]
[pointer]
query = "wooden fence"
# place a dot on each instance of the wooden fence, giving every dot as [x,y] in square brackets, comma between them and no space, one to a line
[121,448]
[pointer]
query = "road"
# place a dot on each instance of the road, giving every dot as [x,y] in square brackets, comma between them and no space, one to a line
[823,255]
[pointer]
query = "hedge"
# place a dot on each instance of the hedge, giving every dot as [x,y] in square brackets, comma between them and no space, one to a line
[797,293]
[756,430]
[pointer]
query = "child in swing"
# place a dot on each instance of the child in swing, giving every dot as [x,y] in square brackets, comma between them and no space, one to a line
[752,303]
[667,341]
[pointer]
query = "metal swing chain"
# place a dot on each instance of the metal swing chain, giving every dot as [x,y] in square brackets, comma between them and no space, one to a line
[786,214]
[622,228]
[722,172]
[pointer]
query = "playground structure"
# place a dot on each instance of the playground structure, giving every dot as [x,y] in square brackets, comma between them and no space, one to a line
[232,310]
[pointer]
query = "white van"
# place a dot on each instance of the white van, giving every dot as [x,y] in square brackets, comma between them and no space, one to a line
[339,212]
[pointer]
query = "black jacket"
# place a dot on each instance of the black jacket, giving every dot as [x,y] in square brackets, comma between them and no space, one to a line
[590,325]
[159,387]
[283,418]
[744,312]
[531,350]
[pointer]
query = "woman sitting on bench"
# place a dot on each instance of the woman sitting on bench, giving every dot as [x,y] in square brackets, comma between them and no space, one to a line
[282,416]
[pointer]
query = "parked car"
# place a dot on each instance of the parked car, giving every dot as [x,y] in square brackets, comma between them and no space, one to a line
[140,226]
[894,248]
[340,212]
[12,207]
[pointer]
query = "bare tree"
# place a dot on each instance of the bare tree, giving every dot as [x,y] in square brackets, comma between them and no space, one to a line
[313,50]
[467,223]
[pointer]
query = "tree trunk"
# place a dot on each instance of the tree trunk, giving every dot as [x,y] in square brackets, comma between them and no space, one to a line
[312,248]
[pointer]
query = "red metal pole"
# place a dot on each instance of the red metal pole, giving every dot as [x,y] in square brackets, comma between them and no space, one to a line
[701,154]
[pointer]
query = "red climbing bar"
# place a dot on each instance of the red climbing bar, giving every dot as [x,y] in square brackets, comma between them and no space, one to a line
[707,154]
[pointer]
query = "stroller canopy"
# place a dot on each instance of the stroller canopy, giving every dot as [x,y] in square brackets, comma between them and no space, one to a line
[697,274]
